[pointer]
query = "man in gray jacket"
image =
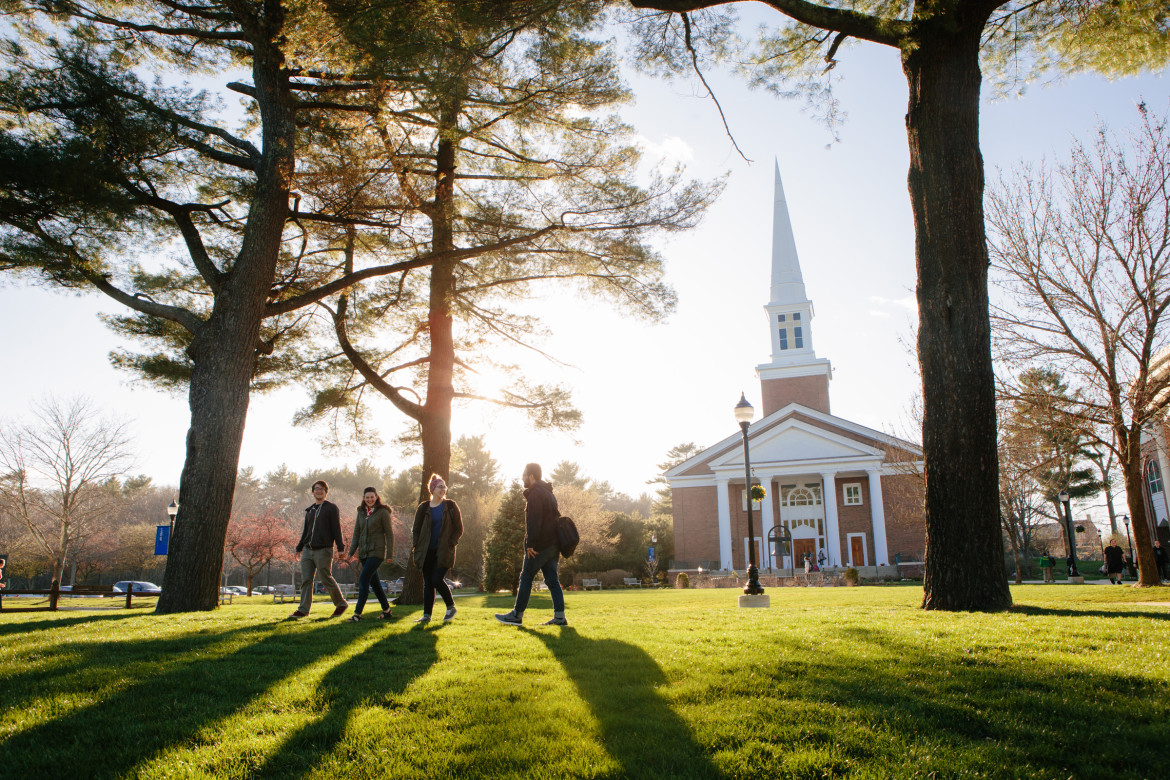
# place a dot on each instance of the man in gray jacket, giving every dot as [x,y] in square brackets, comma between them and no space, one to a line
[541,549]
[322,532]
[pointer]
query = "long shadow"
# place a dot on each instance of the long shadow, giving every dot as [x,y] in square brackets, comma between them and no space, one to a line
[29,626]
[986,711]
[375,677]
[111,736]
[1065,612]
[619,681]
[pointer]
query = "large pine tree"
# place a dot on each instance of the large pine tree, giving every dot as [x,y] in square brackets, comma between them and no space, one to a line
[503,551]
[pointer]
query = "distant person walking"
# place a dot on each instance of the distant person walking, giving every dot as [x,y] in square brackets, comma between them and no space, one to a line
[372,542]
[1047,564]
[1162,559]
[1114,562]
[541,549]
[437,528]
[322,532]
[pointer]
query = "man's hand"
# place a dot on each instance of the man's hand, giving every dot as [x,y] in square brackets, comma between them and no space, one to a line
[531,552]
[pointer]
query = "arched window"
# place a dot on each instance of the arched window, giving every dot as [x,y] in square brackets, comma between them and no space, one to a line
[1153,477]
[800,496]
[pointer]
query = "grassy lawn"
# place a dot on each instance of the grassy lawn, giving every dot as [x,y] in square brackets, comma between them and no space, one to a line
[829,682]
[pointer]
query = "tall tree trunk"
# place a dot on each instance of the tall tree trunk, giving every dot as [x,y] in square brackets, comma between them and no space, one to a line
[224,356]
[1143,541]
[435,420]
[964,545]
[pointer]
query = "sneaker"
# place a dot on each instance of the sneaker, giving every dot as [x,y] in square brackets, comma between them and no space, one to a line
[450,614]
[556,622]
[423,619]
[298,614]
[340,610]
[511,618]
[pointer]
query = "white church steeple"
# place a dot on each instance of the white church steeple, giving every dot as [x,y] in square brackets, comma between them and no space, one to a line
[795,373]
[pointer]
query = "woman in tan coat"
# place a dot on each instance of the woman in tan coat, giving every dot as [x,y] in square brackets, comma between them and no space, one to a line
[437,528]
[372,542]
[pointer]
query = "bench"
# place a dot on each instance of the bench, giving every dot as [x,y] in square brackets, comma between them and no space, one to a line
[632,582]
[588,583]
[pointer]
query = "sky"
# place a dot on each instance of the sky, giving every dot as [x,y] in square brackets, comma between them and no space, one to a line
[646,387]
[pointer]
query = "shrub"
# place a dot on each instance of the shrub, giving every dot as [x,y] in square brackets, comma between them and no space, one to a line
[852,577]
[682,580]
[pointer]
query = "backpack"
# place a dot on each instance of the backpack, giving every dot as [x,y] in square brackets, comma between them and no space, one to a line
[567,536]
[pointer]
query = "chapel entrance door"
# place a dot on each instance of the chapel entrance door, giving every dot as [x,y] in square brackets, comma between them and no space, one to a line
[857,550]
[800,547]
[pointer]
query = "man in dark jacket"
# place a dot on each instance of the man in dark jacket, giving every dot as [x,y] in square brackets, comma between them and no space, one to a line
[541,550]
[322,532]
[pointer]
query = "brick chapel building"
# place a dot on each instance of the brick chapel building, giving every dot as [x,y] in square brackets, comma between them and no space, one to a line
[833,485]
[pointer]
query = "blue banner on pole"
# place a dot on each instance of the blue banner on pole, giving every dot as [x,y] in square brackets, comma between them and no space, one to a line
[650,554]
[162,540]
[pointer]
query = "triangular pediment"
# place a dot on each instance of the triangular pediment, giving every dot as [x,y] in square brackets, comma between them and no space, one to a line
[797,438]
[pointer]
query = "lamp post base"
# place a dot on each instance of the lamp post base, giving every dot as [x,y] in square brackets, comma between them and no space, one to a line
[756,600]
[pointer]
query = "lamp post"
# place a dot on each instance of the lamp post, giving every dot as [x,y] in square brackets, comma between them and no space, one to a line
[1072,540]
[743,415]
[173,510]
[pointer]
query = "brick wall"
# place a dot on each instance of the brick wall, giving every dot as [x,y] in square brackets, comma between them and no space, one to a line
[696,524]
[902,496]
[810,391]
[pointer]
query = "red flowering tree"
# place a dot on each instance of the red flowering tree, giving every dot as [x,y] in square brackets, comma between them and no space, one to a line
[254,540]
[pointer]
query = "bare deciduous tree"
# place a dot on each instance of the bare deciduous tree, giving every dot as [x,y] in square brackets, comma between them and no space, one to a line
[55,468]
[1082,252]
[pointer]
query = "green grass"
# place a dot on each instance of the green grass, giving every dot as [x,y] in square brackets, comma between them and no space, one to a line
[829,682]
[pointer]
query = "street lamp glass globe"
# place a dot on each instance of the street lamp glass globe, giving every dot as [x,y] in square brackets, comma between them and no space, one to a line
[173,510]
[1063,496]
[743,410]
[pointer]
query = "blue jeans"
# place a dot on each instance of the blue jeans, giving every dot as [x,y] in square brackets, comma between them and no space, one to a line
[368,578]
[546,561]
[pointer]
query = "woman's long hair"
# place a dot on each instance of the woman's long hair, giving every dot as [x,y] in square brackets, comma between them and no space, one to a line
[377,499]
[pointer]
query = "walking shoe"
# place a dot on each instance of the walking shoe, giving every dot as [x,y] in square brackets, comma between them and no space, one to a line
[385,615]
[423,619]
[511,618]
[298,614]
[340,610]
[355,617]
[450,614]
[556,622]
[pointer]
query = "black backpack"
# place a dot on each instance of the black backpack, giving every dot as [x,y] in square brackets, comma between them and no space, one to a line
[567,536]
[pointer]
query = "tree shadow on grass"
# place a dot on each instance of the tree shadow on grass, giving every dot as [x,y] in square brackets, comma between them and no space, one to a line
[158,711]
[974,709]
[25,627]
[619,682]
[373,678]
[1028,609]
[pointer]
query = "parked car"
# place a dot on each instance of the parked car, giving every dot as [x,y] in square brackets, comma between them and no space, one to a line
[136,586]
[236,590]
[262,590]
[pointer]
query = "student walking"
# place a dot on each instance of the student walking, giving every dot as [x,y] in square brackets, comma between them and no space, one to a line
[541,549]
[1114,562]
[322,532]
[373,542]
[437,528]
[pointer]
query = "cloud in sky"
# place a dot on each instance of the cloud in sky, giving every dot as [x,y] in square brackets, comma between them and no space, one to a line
[668,151]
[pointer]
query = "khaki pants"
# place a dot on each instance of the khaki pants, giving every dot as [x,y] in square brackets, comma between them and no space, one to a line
[320,562]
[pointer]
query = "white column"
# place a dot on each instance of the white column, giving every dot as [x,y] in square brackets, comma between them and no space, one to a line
[767,520]
[877,512]
[724,522]
[1164,465]
[832,532]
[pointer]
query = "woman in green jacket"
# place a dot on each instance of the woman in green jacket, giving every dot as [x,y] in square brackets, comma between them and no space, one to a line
[437,528]
[373,542]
